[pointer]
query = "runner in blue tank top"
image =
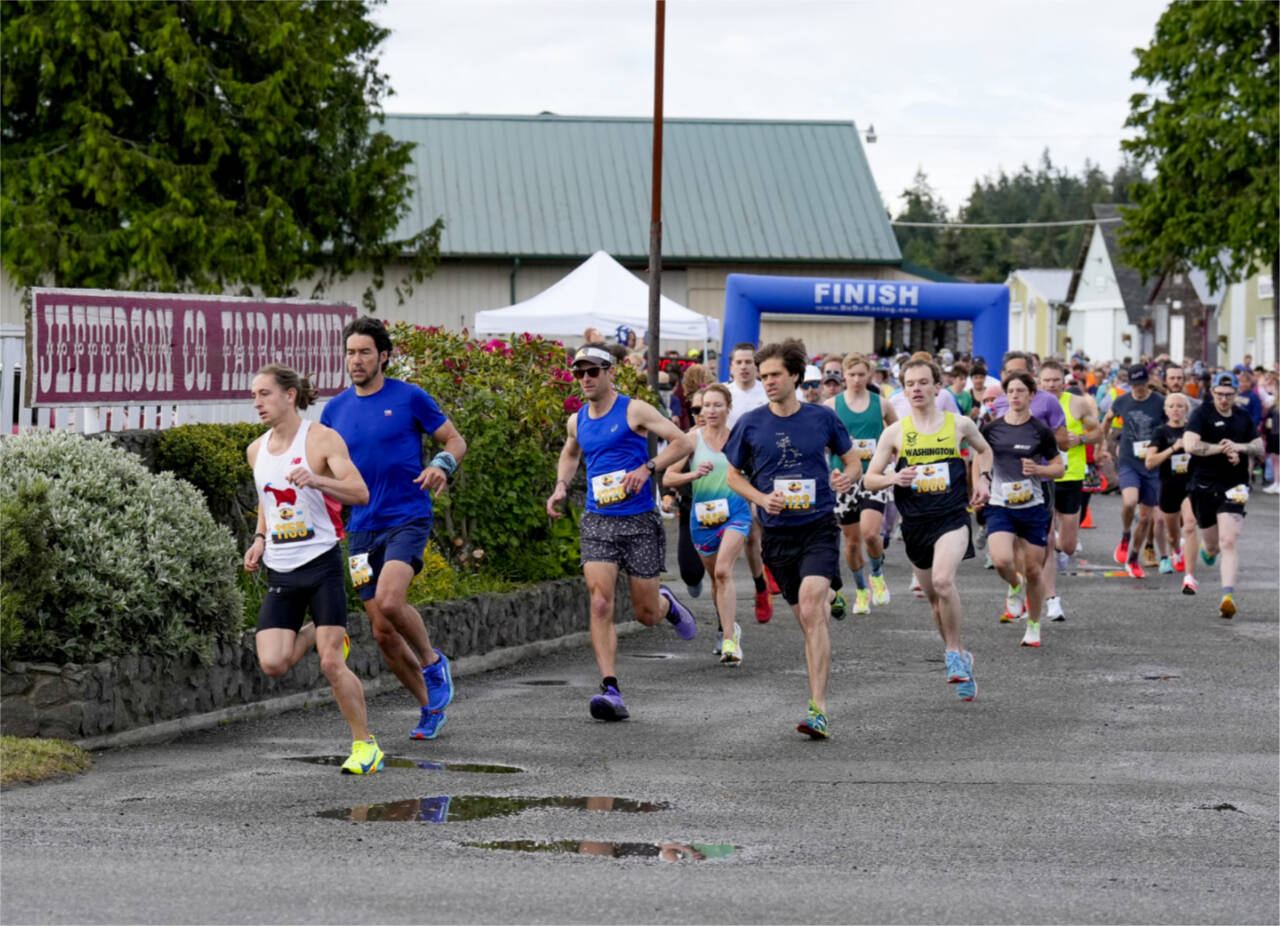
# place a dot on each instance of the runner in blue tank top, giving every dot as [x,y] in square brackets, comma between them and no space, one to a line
[721,518]
[621,527]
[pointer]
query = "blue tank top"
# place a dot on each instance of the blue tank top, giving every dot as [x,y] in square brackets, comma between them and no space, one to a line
[612,450]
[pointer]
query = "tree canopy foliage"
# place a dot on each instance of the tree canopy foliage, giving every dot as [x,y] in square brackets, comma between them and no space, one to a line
[1212,136]
[199,146]
[1047,194]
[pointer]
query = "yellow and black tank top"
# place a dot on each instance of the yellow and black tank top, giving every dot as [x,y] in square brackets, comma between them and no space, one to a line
[939,486]
[1075,457]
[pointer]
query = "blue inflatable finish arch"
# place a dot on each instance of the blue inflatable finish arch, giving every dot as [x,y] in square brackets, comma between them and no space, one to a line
[748,295]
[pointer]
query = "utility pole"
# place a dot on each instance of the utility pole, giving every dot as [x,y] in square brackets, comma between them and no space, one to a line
[655,216]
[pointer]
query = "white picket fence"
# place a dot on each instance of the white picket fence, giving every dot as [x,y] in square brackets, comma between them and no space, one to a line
[16,416]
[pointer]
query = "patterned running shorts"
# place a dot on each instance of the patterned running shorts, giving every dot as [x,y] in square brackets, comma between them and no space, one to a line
[850,505]
[636,542]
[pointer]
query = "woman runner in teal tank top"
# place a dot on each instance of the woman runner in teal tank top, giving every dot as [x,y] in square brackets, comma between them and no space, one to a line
[861,513]
[721,519]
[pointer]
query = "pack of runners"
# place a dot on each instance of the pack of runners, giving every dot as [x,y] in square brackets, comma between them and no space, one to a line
[790,457]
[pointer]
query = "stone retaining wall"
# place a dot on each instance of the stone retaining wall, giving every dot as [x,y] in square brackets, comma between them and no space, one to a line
[78,701]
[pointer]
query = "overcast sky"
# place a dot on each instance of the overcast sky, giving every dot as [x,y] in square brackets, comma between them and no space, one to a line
[960,89]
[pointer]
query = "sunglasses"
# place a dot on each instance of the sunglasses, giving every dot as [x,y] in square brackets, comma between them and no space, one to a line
[579,372]
[812,384]
[696,409]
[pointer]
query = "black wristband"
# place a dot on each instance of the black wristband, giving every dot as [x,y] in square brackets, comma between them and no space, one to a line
[260,534]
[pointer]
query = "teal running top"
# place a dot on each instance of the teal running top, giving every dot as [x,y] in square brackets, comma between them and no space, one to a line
[864,427]
[714,484]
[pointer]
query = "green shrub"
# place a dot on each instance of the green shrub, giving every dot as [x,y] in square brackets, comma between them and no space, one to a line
[211,458]
[23,552]
[510,400]
[133,561]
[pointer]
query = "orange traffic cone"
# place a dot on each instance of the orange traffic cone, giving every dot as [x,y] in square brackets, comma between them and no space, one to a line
[1088,519]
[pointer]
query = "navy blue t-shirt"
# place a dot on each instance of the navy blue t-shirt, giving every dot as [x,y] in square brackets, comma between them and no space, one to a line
[789,454]
[384,432]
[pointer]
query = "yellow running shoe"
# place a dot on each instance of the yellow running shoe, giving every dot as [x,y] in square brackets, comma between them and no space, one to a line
[346,647]
[879,591]
[862,601]
[1227,608]
[365,759]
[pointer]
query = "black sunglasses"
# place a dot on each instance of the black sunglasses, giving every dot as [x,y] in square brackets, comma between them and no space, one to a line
[579,372]
[812,384]
[696,409]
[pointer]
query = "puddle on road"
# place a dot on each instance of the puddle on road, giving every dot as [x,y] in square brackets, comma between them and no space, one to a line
[405,762]
[545,682]
[667,851]
[455,809]
[1158,678]
[651,655]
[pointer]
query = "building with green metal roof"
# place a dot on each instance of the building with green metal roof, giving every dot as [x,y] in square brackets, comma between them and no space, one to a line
[525,199]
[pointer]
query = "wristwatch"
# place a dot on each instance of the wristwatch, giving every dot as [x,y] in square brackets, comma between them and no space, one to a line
[651,466]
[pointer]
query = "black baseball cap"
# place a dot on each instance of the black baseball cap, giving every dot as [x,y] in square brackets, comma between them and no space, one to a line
[1138,373]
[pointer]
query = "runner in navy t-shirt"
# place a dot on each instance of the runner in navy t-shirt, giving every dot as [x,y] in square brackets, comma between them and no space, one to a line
[383,420]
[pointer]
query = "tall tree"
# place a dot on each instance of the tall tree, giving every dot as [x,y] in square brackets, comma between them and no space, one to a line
[1212,136]
[199,146]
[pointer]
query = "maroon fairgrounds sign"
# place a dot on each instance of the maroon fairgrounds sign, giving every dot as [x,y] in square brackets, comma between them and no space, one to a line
[94,347]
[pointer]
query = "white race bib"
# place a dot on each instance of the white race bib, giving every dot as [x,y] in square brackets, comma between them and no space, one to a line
[866,447]
[797,494]
[608,489]
[1018,493]
[712,512]
[931,477]
[361,572]
[1238,494]
[1178,463]
[1141,448]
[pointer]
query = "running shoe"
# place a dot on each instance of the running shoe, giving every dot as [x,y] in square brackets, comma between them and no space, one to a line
[988,563]
[1227,607]
[1166,566]
[429,725]
[1206,558]
[764,607]
[1179,562]
[731,650]
[695,591]
[1134,568]
[1273,489]
[607,705]
[861,603]
[1189,585]
[915,588]
[1015,602]
[967,688]
[1063,560]
[346,647]
[839,606]
[439,683]
[1122,551]
[719,643]
[815,724]
[1053,609]
[679,615]
[956,670]
[879,591]
[1031,636]
[980,537]
[365,759]
[1149,557]
[770,583]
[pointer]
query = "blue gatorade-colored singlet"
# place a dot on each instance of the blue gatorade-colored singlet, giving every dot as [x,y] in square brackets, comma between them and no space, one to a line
[612,450]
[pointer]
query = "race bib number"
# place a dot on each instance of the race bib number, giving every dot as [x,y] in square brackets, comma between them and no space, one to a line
[797,494]
[712,512]
[1018,493]
[608,488]
[289,525]
[1179,462]
[1141,448]
[361,571]
[866,447]
[931,478]
[1238,494]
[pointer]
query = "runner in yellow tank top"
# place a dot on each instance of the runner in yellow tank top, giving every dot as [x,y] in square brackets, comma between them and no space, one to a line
[929,442]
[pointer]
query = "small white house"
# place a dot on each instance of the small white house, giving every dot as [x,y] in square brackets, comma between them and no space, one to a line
[1106,299]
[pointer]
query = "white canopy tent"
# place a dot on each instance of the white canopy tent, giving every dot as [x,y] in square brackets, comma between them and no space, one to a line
[603,294]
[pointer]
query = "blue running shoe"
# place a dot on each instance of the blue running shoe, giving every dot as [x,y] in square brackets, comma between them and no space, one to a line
[439,684]
[1206,558]
[679,615]
[607,705]
[429,725]
[815,724]
[956,669]
[967,688]
[434,809]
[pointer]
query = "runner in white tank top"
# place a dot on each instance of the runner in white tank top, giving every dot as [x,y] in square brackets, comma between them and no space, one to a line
[304,474]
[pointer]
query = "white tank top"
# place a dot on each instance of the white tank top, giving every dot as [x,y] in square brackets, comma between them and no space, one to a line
[302,522]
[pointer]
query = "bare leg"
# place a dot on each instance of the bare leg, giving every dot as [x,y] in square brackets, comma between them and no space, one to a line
[1229,525]
[347,689]
[1001,547]
[853,545]
[601,579]
[755,559]
[939,585]
[720,567]
[1034,557]
[814,615]
[278,651]
[399,656]
[1190,539]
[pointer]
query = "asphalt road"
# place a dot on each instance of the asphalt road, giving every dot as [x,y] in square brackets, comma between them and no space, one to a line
[1124,772]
